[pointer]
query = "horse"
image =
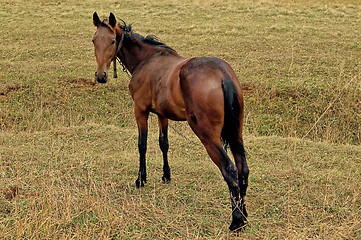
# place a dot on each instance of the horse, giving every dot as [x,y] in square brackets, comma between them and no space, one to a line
[204,91]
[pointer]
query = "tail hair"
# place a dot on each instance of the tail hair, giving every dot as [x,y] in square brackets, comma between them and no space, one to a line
[232,114]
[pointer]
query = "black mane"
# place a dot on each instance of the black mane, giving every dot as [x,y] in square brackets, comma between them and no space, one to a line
[150,39]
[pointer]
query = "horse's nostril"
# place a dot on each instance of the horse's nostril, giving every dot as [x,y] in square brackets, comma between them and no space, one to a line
[101,78]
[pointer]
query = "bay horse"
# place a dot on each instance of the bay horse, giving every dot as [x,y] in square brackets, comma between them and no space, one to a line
[203,91]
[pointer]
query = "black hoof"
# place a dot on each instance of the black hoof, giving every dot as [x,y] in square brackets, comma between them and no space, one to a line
[239,220]
[237,226]
[139,183]
[166,179]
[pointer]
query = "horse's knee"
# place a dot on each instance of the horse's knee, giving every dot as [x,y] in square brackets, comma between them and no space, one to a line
[228,169]
[163,144]
[230,175]
[142,142]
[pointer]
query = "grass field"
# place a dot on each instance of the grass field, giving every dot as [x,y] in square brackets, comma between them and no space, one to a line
[68,150]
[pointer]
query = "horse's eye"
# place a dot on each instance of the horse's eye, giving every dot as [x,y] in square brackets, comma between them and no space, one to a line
[113,41]
[93,40]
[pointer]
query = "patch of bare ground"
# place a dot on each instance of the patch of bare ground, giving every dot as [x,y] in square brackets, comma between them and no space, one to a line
[80,82]
[6,89]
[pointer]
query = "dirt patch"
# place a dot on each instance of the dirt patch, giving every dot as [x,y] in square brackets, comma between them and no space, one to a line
[11,192]
[80,82]
[8,88]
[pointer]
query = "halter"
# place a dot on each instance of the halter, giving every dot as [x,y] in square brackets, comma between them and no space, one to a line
[126,30]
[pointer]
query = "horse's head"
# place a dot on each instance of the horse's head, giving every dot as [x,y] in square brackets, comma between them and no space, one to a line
[105,45]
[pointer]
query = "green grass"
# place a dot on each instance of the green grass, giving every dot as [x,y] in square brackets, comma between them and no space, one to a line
[68,150]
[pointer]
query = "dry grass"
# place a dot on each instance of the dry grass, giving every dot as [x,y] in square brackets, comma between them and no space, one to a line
[74,183]
[68,150]
[295,58]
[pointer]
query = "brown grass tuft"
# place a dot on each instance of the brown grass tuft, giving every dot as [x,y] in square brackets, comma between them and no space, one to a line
[11,192]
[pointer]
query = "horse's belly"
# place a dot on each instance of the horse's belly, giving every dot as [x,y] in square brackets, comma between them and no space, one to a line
[170,108]
[171,112]
[168,100]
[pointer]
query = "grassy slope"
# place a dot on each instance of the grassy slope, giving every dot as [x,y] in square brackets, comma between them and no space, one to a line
[299,62]
[67,146]
[75,182]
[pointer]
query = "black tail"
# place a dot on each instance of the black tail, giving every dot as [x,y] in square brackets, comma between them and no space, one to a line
[232,114]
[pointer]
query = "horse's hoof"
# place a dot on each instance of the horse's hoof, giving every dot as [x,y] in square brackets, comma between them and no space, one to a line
[237,227]
[166,179]
[238,224]
[138,183]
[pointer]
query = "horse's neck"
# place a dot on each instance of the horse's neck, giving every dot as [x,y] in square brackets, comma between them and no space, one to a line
[135,54]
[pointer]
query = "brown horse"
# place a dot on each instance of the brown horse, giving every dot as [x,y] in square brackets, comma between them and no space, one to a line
[203,91]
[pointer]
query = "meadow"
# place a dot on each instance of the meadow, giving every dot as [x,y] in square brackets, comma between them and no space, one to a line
[68,150]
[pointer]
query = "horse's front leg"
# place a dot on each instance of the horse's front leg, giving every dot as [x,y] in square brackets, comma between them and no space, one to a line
[142,122]
[164,146]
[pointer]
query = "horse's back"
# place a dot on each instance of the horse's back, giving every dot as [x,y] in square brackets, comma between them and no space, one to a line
[208,69]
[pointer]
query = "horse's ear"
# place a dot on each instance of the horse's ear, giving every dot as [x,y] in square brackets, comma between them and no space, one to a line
[112,20]
[96,20]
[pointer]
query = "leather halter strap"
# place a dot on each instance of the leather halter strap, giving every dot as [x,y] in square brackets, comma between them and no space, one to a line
[120,45]
[126,30]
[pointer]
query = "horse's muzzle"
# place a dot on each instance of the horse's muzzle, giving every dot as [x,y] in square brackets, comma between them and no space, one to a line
[101,79]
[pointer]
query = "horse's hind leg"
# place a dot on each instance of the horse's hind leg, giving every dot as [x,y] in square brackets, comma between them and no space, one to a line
[231,176]
[164,146]
[243,171]
[211,141]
